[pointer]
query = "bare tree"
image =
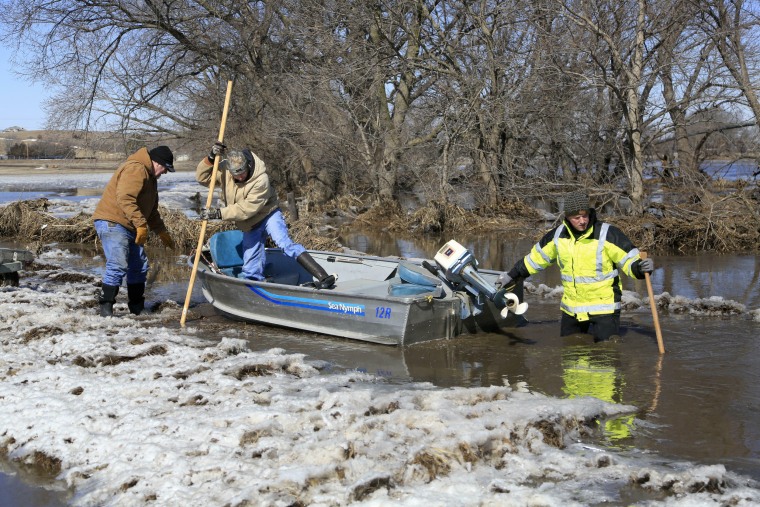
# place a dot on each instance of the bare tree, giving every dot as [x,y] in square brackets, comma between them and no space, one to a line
[685,72]
[734,28]
[376,98]
[620,54]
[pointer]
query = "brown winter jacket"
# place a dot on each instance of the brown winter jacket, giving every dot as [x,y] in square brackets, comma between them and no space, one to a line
[247,203]
[131,196]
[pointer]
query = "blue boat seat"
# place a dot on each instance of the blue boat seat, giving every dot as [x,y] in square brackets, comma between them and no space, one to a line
[227,251]
[413,280]
[412,273]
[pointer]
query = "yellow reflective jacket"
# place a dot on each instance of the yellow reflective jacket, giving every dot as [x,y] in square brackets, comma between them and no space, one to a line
[589,263]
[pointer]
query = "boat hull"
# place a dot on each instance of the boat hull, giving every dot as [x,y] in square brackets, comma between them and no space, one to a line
[391,321]
[363,305]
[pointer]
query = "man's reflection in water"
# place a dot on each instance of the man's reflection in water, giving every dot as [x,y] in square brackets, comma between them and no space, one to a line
[592,372]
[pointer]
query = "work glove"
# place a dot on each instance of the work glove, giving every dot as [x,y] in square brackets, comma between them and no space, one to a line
[504,280]
[142,235]
[210,214]
[167,239]
[217,149]
[646,265]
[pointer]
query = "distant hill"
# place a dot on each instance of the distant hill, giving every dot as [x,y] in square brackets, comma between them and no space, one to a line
[17,142]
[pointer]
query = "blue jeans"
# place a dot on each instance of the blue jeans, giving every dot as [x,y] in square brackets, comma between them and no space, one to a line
[123,256]
[254,252]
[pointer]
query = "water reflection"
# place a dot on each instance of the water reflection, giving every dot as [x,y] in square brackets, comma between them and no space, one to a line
[593,371]
[494,251]
[19,488]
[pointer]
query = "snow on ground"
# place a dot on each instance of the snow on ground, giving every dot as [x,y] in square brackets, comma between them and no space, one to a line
[714,306]
[138,411]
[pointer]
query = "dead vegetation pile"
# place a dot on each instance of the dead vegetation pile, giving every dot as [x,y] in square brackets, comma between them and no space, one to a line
[343,208]
[30,221]
[307,232]
[386,215]
[707,221]
[438,216]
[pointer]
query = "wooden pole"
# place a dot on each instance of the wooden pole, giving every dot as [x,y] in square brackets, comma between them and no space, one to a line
[653,305]
[209,199]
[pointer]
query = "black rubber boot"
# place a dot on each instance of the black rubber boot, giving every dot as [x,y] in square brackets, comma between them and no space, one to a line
[324,281]
[136,302]
[107,299]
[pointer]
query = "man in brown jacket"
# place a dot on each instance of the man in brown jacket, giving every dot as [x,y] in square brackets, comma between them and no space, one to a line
[128,208]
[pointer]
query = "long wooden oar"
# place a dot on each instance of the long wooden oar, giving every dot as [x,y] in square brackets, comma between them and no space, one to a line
[209,199]
[653,305]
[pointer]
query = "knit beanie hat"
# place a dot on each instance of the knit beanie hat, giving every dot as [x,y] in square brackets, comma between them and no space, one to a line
[575,202]
[164,156]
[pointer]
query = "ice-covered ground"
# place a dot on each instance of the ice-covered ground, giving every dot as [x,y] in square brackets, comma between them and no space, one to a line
[713,306]
[138,411]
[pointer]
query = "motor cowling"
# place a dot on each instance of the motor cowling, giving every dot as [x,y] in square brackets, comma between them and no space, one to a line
[459,267]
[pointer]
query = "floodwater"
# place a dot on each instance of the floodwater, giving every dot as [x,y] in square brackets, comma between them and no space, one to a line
[698,403]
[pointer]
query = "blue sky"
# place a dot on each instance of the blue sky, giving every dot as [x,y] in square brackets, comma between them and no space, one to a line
[21,103]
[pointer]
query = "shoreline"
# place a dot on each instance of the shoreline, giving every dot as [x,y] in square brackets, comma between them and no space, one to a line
[15,167]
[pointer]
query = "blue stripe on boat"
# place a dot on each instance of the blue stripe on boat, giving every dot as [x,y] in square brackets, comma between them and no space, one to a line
[312,304]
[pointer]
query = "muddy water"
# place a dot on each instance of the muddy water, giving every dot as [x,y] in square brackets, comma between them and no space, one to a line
[30,491]
[699,402]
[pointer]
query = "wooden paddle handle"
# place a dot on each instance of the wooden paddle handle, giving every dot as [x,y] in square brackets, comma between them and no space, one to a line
[653,306]
[209,200]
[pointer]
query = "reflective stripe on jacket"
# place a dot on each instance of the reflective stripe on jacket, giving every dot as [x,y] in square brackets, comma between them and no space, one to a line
[589,266]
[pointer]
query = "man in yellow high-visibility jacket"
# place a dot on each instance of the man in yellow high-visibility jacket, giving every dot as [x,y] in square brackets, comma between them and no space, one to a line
[590,255]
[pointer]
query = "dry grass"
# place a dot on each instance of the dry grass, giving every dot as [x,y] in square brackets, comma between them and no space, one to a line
[708,222]
[30,221]
[703,221]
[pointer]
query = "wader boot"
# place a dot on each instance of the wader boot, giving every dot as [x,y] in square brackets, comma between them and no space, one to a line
[324,281]
[107,299]
[135,293]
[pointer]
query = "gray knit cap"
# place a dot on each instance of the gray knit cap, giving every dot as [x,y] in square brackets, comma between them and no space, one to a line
[576,202]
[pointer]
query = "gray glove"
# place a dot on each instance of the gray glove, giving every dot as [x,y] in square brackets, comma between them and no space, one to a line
[210,214]
[646,265]
[217,149]
[504,280]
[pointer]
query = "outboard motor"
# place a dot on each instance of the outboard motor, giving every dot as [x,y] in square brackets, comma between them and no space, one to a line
[460,267]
